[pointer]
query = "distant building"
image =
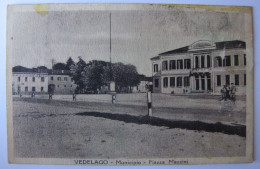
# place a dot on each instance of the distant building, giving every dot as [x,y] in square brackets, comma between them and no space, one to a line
[60,82]
[143,86]
[202,67]
[28,82]
[41,83]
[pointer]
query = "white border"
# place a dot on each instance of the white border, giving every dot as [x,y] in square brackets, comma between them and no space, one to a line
[3,142]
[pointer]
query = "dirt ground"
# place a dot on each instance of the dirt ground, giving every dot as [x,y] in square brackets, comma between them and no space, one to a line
[55,129]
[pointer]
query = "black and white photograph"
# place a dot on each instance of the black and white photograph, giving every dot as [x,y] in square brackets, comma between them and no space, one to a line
[129,84]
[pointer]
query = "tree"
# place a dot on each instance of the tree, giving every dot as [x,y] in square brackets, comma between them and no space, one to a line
[77,71]
[92,76]
[69,63]
[59,66]
[125,75]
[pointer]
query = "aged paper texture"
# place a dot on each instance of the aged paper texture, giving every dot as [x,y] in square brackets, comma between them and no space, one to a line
[129,84]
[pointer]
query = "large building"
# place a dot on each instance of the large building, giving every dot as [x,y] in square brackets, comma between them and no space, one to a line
[202,67]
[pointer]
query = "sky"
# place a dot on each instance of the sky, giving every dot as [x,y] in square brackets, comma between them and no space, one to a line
[136,35]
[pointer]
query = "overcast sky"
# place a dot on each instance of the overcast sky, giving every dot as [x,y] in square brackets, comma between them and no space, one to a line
[136,35]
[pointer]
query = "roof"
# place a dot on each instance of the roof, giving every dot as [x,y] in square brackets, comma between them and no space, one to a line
[155,58]
[58,72]
[219,45]
[179,50]
[230,44]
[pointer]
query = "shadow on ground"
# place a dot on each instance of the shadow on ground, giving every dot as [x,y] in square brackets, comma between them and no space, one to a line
[239,130]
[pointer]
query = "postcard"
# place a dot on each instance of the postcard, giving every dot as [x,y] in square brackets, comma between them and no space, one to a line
[129,84]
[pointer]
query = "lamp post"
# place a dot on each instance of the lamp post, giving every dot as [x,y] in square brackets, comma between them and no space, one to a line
[112,83]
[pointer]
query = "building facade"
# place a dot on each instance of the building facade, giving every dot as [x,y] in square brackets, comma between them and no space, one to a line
[28,82]
[202,67]
[59,82]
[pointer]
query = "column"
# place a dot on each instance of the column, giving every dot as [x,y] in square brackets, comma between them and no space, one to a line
[191,82]
[194,61]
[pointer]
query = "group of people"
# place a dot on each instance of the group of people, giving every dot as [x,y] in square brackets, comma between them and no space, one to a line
[228,92]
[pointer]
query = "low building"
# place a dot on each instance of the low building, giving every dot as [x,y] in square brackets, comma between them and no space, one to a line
[202,67]
[28,82]
[58,82]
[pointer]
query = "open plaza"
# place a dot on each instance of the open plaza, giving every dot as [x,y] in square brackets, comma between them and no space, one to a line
[94,127]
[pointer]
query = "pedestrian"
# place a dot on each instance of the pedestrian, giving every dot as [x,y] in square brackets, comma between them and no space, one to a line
[228,92]
[50,96]
[233,91]
[224,93]
[33,94]
[74,96]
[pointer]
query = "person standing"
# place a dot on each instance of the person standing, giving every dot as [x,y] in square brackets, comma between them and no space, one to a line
[233,91]
[224,92]
[74,96]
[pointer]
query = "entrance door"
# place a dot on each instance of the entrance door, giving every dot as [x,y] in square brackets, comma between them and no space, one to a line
[51,88]
[209,84]
[202,84]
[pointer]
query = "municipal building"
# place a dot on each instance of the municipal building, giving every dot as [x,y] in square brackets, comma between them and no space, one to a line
[202,67]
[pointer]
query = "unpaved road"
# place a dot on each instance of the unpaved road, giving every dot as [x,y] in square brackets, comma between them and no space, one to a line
[56,130]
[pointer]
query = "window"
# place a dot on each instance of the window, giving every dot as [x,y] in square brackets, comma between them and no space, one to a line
[236,80]
[186,63]
[42,79]
[179,81]
[236,61]
[227,61]
[42,89]
[26,89]
[19,79]
[58,85]
[172,81]
[155,68]
[33,79]
[156,82]
[65,78]
[202,61]
[244,59]
[219,61]
[244,79]
[33,89]
[218,80]
[196,62]
[26,79]
[179,64]
[59,78]
[165,82]
[202,83]
[186,81]
[64,85]
[51,77]
[208,61]
[172,64]
[165,65]
[227,79]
